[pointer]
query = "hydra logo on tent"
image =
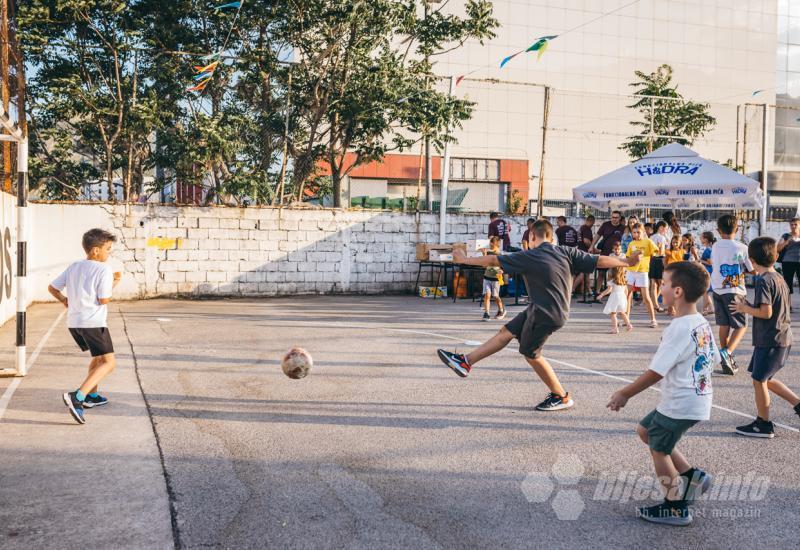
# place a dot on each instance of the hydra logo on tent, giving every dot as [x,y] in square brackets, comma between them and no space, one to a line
[739,190]
[661,192]
[668,168]
[590,195]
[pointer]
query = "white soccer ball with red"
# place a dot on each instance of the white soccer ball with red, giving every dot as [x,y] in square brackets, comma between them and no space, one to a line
[297,363]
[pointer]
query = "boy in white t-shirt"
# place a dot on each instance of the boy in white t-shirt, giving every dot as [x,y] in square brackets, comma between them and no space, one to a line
[89,284]
[730,263]
[684,362]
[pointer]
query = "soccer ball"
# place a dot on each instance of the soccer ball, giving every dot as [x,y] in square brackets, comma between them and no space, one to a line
[297,363]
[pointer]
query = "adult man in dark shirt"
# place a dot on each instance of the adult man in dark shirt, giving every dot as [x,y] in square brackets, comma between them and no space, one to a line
[552,268]
[586,234]
[498,227]
[566,234]
[585,239]
[611,233]
[526,237]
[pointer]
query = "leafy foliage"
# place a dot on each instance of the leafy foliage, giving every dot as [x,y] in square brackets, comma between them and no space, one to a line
[673,119]
[108,95]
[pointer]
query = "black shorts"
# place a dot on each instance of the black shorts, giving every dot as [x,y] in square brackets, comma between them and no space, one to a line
[96,340]
[531,336]
[724,316]
[766,362]
[656,268]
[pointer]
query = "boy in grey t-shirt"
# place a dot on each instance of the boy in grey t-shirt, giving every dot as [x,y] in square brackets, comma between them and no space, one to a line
[549,270]
[772,336]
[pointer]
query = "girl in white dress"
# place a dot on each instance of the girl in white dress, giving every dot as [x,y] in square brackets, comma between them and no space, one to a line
[617,304]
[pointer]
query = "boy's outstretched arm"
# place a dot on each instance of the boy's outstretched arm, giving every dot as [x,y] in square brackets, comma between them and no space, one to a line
[55,293]
[484,261]
[620,397]
[605,262]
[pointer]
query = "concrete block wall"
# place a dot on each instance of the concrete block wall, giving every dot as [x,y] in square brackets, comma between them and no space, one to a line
[218,251]
[221,251]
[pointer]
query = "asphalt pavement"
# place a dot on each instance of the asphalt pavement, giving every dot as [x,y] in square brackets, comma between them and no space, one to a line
[380,446]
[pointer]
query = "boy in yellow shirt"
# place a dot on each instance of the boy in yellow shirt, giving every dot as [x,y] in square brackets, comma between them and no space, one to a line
[638,274]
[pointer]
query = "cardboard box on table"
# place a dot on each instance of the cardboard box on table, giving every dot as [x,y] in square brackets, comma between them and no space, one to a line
[438,252]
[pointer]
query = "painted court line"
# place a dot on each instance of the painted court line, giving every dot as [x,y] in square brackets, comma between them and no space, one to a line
[12,387]
[599,373]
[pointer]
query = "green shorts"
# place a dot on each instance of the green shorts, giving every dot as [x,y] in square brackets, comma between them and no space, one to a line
[663,432]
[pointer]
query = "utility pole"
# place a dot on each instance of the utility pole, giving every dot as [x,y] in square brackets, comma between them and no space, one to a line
[545,117]
[445,179]
[5,92]
[428,160]
[764,167]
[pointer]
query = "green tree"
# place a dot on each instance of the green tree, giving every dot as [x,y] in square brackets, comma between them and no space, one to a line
[361,79]
[86,88]
[664,121]
[109,77]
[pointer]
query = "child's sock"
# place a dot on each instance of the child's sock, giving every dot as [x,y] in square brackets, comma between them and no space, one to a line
[689,473]
[94,395]
[79,395]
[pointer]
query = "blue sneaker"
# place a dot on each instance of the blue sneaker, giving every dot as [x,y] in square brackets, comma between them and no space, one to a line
[75,407]
[90,401]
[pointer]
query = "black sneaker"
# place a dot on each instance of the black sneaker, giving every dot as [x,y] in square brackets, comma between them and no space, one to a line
[501,314]
[757,428]
[456,361]
[90,401]
[727,364]
[797,409]
[486,316]
[697,483]
[667,513]
[75,407]
[555,402]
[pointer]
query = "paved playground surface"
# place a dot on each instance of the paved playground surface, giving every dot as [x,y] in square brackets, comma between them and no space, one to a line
[381,446]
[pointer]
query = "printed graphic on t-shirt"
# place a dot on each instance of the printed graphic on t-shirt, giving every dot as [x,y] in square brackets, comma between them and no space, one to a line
[732,274]
[704,364]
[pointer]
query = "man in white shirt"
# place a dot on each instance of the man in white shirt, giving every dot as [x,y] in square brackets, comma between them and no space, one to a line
[89,284]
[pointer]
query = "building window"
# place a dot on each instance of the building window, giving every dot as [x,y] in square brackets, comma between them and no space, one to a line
[475,169]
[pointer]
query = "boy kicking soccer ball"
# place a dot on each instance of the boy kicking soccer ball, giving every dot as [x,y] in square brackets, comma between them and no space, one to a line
[772,335]
[549,270]
[89,284]
[684,362]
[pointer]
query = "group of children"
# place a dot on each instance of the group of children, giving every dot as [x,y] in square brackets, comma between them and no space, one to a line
[683,363]
[687,354]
